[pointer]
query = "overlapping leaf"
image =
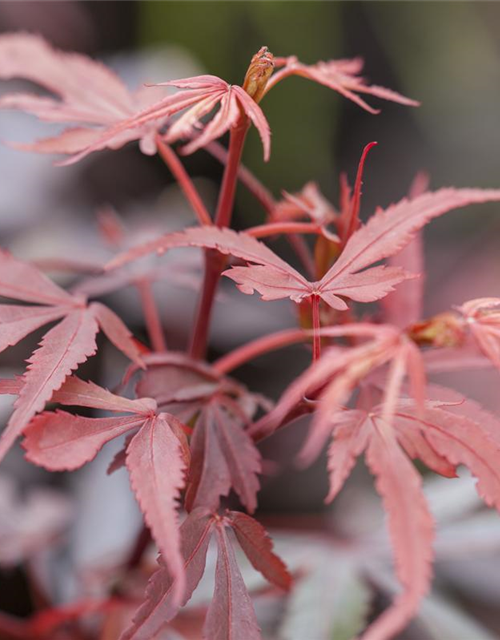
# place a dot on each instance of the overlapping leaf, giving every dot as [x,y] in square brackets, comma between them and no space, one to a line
[442,435]
[88,93]
[156,456]
[353,275]
[230,614]
[223,455]
[63,348]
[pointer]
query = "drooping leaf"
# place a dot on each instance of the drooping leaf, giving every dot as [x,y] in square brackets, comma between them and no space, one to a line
[258,548]
[411,529]
[223,457]
[156,467]
[160,607]
[86,91]
[341,76]
[230,615]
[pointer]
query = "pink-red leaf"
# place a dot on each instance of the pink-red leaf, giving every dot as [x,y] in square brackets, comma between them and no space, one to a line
[410,525]
[389,230]
[223,456]
[22,281]
[351,434]
[159,607]
[60,441]
[258,548]
[88,394]
[156,467]
[230,615]
[16,321]
[116,332]
[62,349]
[472,441]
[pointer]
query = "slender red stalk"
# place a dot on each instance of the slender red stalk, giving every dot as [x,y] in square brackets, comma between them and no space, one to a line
[258,347]
[274,228]
[228,187]
[316,321]
[186,184]
[265,197]
[151,316]
[353,220]
[247,178]
[214,262]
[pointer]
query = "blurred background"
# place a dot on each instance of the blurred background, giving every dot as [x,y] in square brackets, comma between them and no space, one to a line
[444,54]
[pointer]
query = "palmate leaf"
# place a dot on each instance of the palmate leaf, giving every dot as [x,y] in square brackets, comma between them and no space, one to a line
[86,92]
[155,456]
[223,457]
[63,348]
[443,435]
[231,613]
[341,76]
[352,276]
[160,606]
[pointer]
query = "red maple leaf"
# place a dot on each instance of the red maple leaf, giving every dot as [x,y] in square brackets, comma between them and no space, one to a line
[88,93]
[443,435]
[223,455]
[62,349]
[341,76]
[230,614]
[156,455]
[351,276]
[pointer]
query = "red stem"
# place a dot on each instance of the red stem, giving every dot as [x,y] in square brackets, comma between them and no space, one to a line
[214,262]
[258,347]
[180,174]
[316,327]
[151,316]
[265,197]
[228,187]
[274,228]
[251,182]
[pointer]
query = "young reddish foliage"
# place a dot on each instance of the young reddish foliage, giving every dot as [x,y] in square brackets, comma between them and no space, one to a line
[191,431]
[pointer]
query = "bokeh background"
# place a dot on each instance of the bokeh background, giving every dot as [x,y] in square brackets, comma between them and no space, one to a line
[445,54]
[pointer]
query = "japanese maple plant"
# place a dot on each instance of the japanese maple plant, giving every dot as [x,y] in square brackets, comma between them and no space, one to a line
[192,430]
